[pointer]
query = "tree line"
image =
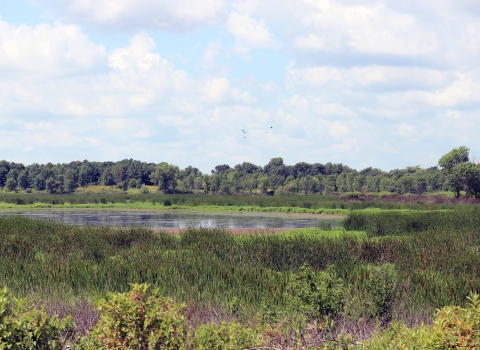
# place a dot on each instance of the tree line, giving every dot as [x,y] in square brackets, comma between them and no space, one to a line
[454,172]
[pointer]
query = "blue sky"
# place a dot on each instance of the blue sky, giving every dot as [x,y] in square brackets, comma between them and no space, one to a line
[362,82]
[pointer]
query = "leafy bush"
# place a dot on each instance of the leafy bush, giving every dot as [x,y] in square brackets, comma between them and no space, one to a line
[453,328]
[315,293]
[381,285]
[139,319]
[226,336]
[373,295]
[24,327]
[132,183]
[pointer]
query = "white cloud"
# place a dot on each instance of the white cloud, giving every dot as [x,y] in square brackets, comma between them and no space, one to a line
[339,129]
[144,14]
[370,74]
[333,109]
[310,42]
[406,130]
[215,90]
[135,77]
[218,90]
[463,90]
[210,54]
[45,50]
[249,31]
[367,75]
[373,29]
[297,100]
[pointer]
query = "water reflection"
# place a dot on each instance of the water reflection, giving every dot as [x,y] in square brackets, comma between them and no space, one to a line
[177,219]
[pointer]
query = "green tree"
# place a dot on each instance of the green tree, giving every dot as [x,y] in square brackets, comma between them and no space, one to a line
[250,183]
[292,187]
[454,158]
[306,184]
[263,183]
[39,183]
[164,176]
[3,174]
[329,183]
[198,183]
[10,184]
[465,176]
[107,177]
[52,186]
[70,180]
[23,180]
[460,173]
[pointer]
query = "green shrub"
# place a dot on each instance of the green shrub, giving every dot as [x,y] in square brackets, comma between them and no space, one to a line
[374,292]
[315,293]
[453,328]
[139,319]
[24,327]
[226,336]
[132,183]
[381,285]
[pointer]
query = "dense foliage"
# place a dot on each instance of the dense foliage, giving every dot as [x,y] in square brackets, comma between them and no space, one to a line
[458,174]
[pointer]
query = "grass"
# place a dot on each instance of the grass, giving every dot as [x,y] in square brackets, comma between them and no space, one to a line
[428,259]
[311,202]
[437,267]
[401,222]
[154,206]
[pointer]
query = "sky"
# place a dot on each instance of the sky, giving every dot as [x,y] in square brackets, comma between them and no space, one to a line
[387,84]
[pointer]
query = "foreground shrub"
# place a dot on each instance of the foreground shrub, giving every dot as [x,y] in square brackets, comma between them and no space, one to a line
[139,319]
[24,327]
[315,293]
[453,328]
[373,294]
[226,336]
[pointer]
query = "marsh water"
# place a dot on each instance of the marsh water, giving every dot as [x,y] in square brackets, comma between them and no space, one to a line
[177,219]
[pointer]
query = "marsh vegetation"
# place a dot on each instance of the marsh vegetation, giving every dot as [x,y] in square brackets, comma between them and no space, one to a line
[310,287]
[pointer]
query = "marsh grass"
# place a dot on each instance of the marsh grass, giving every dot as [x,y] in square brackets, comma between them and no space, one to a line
[156,200]
[405,222]
[434,263]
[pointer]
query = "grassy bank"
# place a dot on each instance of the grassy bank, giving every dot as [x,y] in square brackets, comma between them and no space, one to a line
[352,202]
[155,206]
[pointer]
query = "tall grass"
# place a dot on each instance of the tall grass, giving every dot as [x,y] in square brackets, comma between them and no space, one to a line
[401,222]
[312,202]
[434,267]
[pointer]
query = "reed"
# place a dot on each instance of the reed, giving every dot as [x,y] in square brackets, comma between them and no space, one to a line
[438,265]
[400,222]
[156,200]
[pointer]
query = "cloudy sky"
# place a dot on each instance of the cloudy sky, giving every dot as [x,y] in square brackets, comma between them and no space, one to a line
[361,82]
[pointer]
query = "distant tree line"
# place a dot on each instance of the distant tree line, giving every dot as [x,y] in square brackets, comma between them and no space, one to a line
[456,173]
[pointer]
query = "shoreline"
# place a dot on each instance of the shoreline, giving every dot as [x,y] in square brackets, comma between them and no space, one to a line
[237,231]
[202,210]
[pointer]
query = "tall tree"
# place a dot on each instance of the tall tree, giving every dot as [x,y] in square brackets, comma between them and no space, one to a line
[164,176]
[458,170]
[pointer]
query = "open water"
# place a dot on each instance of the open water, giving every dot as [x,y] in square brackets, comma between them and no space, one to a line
[176,219]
